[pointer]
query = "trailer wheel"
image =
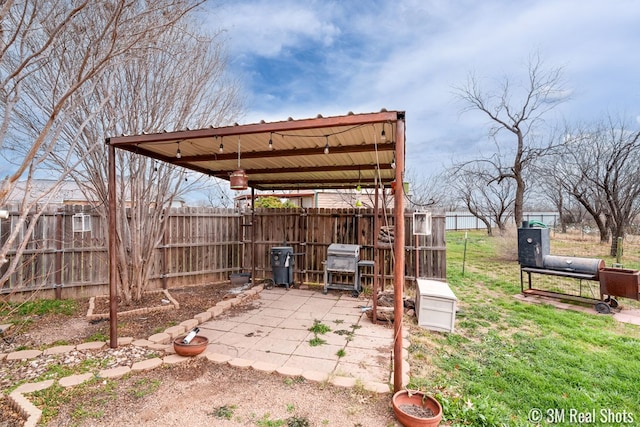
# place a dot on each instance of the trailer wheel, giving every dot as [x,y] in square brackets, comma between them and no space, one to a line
[613,303]
[603,308]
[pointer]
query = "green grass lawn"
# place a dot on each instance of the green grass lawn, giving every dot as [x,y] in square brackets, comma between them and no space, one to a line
[511,363]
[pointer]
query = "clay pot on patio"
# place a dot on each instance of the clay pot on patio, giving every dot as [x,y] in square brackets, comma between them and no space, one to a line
[416,409]
[197,345]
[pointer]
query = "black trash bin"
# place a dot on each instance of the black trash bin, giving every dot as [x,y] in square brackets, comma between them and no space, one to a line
[282,262]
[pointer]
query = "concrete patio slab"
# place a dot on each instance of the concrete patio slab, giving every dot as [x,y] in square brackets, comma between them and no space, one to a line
[310,363]
[289,334]
[274,333]
[256,329]
[262,320]
[277,345]
[277,359]
[323,351]
[275,312]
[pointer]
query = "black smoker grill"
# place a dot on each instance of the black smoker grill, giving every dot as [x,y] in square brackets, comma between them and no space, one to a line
[534,257]
[343,263]
[282,263]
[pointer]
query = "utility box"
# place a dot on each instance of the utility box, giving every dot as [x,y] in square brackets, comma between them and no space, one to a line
[435,305]
[282,262]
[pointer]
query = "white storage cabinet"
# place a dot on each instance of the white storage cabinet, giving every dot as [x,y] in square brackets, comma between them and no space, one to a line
[435,305]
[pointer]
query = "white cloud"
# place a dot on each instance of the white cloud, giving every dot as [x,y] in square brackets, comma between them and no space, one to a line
[266,28]
[408,55]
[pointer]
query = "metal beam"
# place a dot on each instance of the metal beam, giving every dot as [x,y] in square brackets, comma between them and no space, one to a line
[334,168]
[293,152]
[290,125]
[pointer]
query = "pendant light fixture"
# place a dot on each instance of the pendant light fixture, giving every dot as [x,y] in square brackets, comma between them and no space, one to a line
[239,179]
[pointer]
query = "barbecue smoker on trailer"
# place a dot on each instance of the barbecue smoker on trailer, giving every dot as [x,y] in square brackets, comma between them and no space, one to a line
[534,257]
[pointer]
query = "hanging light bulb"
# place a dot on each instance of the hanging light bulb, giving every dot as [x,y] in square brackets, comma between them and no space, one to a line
[178,153]
[270,141]
[383,134]
[326,146]
[221,149]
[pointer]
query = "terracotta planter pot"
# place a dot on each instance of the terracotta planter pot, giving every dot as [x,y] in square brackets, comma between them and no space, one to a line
[197,345]
[412,409]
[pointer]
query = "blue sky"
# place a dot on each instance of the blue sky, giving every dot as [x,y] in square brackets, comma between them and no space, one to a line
[303,58]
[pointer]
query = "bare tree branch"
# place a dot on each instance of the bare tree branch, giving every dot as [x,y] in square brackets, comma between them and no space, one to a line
[518,111]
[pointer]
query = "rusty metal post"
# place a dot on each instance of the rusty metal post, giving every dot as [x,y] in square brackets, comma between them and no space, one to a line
[398,248]
[253,236]
[113,266]
[417,254]
[58,257]
[165,254]
[376,253]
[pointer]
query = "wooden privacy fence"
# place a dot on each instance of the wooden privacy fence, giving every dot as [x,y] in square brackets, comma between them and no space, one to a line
[310,232]
[67,250]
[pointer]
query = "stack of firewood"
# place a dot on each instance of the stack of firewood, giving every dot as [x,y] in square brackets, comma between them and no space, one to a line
[384,309]
[386,237]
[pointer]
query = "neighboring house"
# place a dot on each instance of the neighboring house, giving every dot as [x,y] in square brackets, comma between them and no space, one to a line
[332,199]
[57,194]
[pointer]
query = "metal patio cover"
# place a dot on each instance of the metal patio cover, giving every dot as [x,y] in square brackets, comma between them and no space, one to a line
[360,147]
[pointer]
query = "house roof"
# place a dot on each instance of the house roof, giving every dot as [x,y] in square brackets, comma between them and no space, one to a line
[294,160]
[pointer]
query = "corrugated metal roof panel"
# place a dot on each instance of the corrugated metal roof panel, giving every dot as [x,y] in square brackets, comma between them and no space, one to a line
[357,151]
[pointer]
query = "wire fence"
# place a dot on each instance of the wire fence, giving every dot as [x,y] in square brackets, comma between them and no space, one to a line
[467,221]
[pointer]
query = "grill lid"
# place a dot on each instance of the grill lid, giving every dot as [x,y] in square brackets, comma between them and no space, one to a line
[340,249]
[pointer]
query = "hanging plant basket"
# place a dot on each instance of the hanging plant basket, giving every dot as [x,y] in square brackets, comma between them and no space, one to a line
[416,409]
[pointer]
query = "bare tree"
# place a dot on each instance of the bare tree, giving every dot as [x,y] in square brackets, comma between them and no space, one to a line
[553,191]
[563,176]
[147,93]
[217,193]
[600,169]
[519,111]
[487,198]
[427,192]
[53,57]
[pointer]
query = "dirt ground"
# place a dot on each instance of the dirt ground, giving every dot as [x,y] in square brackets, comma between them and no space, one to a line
[197,392]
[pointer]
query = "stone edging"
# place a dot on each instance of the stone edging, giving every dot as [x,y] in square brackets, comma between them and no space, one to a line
[93,316]
[162,342]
